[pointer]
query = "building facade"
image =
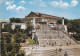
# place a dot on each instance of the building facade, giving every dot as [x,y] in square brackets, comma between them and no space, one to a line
[41,18]
[45,19]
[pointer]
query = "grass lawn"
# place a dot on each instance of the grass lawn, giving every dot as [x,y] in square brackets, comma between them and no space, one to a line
[30,41]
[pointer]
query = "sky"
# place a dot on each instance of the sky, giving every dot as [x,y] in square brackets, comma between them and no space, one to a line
[69,9]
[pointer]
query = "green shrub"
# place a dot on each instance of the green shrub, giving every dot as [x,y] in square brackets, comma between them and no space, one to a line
[30,41]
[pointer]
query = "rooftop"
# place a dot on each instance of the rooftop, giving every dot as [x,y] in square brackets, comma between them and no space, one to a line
[42,15]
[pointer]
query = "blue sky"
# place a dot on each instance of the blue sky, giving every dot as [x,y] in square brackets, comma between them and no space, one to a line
[19,8]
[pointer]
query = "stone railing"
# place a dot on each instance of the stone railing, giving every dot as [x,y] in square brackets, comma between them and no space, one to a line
[71,37]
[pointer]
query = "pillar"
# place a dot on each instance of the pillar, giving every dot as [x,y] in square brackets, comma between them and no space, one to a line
[34,22]
[54,23]
[33,32]
[63,21]
[65,27]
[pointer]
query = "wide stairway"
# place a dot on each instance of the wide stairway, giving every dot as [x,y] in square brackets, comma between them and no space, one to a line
[49,38]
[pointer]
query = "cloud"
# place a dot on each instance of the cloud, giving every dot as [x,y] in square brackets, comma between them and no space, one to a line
[74,3]
[22,1]
[43,4]
[13,7]
[9,2]
[33,2]
[10,7]
[38,2]
[1,1]
[62,4]
[20,8]
[65,5]
[54,3]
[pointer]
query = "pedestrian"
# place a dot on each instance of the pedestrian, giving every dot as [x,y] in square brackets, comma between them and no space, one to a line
[60,49]
[65,54]
[56,50]
[60,45]
[44,45]
[58,32]
[63,36]
[52,44]
[67,43]
[55,43]
[58,35]
[70,42]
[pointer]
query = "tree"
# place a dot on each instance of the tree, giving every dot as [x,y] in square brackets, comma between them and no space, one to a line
[7,28]
[60,21]
[17,28]
[24,36]
[66,21]
[18,38]
[29,29]
[69,26]
[9,48]
[8,39]
[77,36]
[17,20]
[21,54]
[3,46]
[74,26]
[12,19]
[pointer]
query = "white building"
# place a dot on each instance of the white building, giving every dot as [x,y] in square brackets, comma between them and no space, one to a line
[23,25]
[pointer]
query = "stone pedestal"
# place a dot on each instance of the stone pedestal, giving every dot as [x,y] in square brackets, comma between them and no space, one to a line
[33,34]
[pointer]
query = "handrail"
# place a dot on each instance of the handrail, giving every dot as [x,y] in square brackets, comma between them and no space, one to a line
[71,37]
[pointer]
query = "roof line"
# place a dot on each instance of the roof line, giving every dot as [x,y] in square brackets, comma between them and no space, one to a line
[44,14]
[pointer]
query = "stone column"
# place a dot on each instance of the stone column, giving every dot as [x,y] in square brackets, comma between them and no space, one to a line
[65,27]
[33,32]
[3,25]
[63,21]
[34,22]
[54,23]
